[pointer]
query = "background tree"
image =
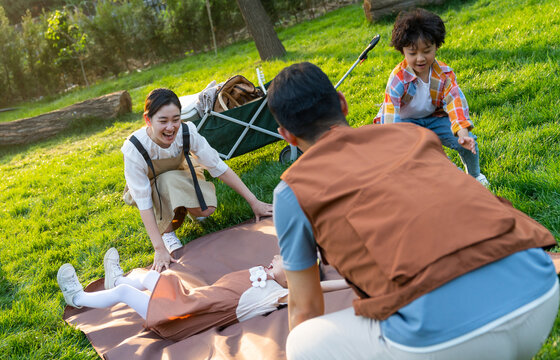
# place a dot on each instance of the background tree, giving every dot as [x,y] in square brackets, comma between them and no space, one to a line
[58,43]
[124,35]
[212,27]
[68,39]
[188,24]
[39,58]
[15,9]
[11,66]
[261,29]
[227,20]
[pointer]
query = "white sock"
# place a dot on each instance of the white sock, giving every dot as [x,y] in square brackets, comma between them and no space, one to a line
[143,281]
[124,293]
[150,280]
[130,280]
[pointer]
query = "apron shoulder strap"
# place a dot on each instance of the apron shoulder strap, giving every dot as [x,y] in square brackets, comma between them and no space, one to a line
[186,150]
[134,140]
[138,145]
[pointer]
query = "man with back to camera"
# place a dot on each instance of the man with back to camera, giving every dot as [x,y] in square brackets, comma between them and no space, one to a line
[442,268]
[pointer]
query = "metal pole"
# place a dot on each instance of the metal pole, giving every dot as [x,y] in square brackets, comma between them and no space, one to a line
[347,73]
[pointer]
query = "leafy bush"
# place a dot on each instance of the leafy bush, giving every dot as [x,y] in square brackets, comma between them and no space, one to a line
[90,40]
[69,41]
[11,79]
[39,57]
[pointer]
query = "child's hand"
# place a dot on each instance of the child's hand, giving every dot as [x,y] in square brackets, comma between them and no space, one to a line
[466,141]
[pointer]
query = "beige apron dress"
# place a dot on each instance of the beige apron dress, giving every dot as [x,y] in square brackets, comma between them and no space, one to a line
[178,310]
[181,305]
[176,188]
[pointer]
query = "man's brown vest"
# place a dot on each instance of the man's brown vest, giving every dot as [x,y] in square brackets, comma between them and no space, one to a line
[397,219]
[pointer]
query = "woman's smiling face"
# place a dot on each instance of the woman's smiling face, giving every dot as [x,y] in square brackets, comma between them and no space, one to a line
[164,125]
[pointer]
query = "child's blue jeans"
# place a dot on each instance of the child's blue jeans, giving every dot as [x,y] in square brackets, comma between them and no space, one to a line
[442,127]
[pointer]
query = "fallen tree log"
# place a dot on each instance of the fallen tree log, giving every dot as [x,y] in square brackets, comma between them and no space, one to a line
[376,9]
[25,131]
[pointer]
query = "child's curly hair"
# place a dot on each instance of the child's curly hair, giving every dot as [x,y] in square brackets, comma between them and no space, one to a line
[417,24]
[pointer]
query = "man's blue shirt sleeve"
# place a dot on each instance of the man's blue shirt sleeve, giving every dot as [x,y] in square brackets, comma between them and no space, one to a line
[295,235]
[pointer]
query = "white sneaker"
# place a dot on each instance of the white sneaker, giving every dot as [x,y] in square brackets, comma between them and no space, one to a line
[112,267]
[171,241]
[197,219]
[69,283]
[482,179]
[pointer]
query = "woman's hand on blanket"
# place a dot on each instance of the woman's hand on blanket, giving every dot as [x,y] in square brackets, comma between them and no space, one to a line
[261,209]
[162,259]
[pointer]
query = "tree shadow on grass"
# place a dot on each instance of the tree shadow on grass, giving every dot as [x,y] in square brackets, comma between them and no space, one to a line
[515,62]
[536,196]
[524,53]
[447,5]
[78,130]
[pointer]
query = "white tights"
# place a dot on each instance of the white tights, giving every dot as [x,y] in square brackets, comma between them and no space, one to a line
[128,290]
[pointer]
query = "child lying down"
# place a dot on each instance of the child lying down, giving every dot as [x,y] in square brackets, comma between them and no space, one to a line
[177,309]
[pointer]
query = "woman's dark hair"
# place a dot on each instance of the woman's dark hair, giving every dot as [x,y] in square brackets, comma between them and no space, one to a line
[158,98]
[304,101]
[417,24]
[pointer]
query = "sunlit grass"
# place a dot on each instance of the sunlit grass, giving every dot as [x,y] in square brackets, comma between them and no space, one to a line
[61,198]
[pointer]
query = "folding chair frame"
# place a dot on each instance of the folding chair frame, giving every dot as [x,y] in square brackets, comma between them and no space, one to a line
[248,126]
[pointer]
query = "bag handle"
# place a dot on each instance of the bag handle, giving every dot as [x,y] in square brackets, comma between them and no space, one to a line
[230,98]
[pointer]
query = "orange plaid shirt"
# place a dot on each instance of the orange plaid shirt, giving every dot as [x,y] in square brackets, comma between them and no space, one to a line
[446,95]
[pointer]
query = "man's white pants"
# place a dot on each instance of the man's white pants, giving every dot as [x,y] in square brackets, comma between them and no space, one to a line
[343,335]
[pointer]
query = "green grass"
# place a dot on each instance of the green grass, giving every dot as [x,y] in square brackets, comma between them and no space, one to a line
[61,198]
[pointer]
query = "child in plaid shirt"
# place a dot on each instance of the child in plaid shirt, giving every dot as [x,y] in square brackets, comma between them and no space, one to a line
[424,91]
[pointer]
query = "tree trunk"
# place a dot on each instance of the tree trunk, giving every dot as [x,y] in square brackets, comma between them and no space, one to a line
[212,27]
[25,131]
[7,71]
[311,7]
[261,29]
[83,71]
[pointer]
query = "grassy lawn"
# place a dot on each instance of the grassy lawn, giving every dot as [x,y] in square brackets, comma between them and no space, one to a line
[61,198]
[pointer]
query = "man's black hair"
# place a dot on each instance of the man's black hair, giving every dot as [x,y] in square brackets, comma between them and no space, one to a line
[304,101]
[158,98]
[415,25]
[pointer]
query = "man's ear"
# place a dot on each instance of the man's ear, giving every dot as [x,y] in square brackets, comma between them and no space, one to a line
[343,103]
[288,136]
[147,120]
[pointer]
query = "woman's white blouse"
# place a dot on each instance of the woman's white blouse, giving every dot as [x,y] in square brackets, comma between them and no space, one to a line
[136,169]
[258,300]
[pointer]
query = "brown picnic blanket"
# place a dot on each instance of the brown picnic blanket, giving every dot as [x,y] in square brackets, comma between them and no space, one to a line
[117,332]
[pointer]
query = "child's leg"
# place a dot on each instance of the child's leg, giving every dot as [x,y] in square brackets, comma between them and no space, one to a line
[124,293]
[441,126]
[114,274]
[470,160]
[144,281]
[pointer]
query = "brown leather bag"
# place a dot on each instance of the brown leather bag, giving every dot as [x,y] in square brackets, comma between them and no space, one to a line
[236,91]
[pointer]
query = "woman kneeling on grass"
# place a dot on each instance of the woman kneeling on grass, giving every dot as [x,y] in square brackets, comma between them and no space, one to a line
[165,184]
[174,311]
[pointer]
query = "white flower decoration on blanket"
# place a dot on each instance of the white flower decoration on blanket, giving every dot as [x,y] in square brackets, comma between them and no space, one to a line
[258,276]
